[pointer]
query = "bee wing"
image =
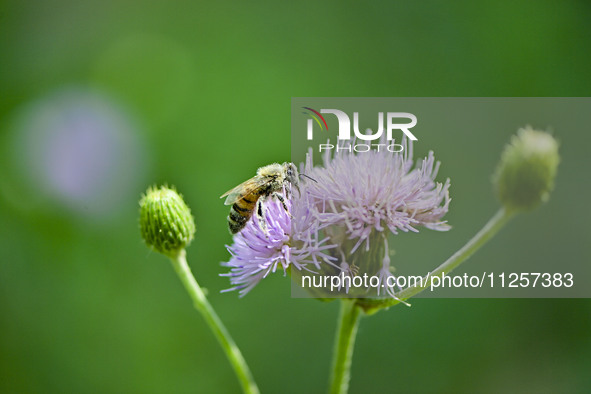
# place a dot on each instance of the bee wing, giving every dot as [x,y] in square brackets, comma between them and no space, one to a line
[244,189]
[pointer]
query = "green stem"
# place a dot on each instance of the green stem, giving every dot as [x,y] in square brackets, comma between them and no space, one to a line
[483,236]
[343,347]
[200,302]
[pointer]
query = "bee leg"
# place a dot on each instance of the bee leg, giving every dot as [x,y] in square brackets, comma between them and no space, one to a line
[354,269]
[260,214]
[282,200]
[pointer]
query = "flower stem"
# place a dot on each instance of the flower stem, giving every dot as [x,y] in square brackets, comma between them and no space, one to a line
[343,347]
[200,302]
[483,236]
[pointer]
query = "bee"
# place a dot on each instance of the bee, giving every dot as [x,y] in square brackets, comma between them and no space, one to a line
[247,196]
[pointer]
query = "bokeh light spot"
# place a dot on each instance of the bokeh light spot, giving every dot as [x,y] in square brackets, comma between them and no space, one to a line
[80,148]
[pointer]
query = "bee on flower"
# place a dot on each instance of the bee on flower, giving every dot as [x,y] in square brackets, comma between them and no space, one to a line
[342,221]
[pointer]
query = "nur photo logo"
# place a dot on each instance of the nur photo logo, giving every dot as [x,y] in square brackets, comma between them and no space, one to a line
[390,123]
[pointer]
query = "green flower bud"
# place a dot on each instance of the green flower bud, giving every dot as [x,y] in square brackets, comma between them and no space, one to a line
[526,172]
[166,222]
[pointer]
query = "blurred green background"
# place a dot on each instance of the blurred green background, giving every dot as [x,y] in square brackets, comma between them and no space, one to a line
[100,99]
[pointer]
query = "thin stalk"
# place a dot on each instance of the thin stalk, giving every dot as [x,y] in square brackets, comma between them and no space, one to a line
[483,236]
[200,302]
[343,347]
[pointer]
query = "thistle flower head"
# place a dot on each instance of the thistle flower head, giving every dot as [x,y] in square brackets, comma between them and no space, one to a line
[526,172]
[286,239]
[166,222]
[378,191]
[355,199]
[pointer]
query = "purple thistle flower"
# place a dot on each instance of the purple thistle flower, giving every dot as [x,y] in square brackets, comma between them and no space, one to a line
[378,190]
[355,199]
[284,243]
[361,198]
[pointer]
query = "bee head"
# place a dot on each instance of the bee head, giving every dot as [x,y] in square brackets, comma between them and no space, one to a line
[291,174]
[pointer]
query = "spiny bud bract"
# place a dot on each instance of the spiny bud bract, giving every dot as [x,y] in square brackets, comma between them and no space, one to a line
[166,222]
[526,172]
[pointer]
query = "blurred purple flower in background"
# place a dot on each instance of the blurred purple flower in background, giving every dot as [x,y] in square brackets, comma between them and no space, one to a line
[79,148]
